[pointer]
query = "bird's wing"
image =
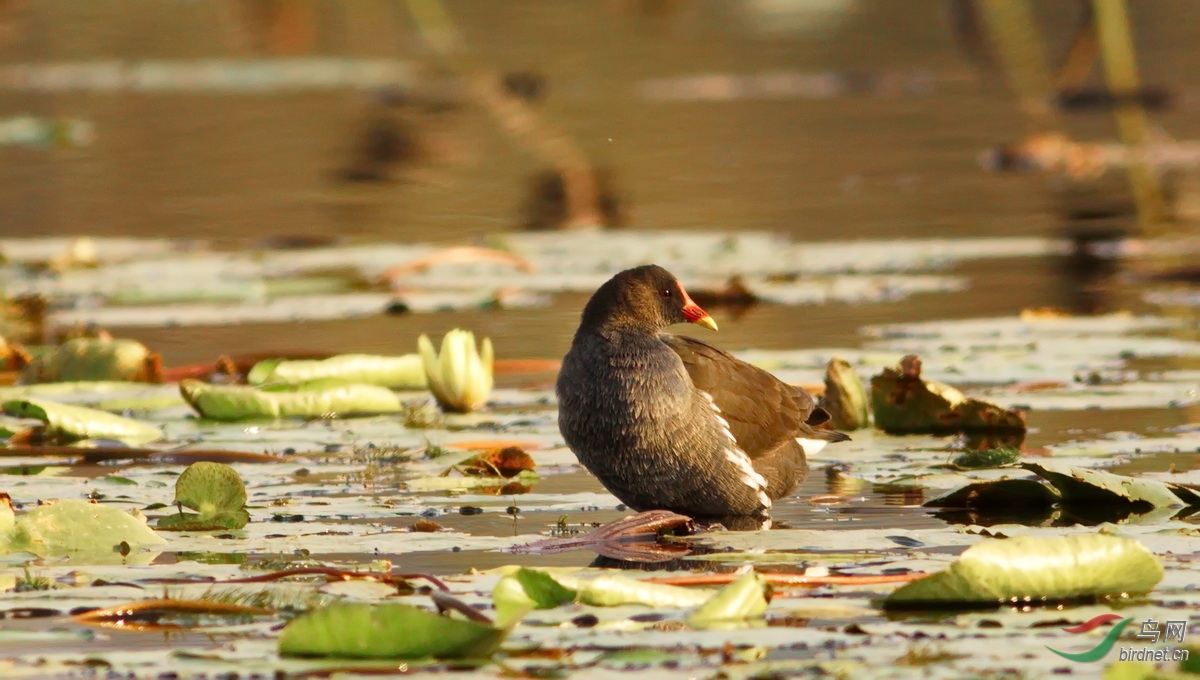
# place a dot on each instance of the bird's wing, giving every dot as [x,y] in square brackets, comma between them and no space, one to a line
[762,410]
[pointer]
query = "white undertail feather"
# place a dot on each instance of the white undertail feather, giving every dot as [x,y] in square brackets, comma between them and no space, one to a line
[738,457]
[811,446]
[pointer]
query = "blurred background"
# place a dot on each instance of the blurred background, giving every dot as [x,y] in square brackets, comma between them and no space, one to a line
[247,124]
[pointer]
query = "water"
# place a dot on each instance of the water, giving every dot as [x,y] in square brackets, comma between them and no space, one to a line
[895,156]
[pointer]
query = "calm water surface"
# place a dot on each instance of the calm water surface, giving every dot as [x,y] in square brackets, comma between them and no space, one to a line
[239,169]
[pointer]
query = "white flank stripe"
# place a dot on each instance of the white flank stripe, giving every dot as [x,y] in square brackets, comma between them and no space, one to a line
[811,446]
[739,458]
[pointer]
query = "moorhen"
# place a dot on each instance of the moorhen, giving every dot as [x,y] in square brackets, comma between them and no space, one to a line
[667,422]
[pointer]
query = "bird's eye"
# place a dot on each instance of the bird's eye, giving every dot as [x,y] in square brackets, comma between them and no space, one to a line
[666,292]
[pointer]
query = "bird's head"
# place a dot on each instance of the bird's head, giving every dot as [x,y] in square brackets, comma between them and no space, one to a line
[647,296]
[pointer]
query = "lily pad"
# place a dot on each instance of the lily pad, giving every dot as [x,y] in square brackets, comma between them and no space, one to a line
[540,589]
[528,589]
[387,631]
[1080,485]
[216,492]
[66,422]
[79,528]
[398,372]
[1003,494]
[310,400]
[745,598]
[1030,570]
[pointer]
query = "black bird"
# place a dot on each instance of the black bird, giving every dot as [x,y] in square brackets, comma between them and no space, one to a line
[667,422]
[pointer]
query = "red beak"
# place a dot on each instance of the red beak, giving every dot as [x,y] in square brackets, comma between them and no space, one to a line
[694,314]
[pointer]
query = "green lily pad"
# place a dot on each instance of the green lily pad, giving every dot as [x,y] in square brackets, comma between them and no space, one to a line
[67,422]
[387,631]
[400,372]
[310,400]
[1029,570]
[218,494]
[845,396]
[539,589]
[611,590]
[745,598]
[528,589]
[71,527]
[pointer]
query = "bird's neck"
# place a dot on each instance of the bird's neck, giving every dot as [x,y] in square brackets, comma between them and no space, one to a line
[619,332]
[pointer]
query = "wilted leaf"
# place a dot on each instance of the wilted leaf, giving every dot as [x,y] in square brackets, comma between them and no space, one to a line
[999,495]
[903,403]
[67,422]
[148,615]
[311,400]
[507,462]
[399,372]
[1082,486]
[745,598]
[845,396]
[386,631]
[1030,570]
[91,359]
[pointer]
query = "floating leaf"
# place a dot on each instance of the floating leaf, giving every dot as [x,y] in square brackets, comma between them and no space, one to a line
[1083,486]
[745,598]
[1001,495]
[218,494]
[1030,570]
[67,422]
[542,589]
[400,372]
[845,396]
[386,631]
[76,527]
[92,359]
[509,461]
[311,400]
[528,589]
[611,590]
[903,403]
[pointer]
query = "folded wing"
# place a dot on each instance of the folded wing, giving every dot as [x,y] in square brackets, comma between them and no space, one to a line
[762,410]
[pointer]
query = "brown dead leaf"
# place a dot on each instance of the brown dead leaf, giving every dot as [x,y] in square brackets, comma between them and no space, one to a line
[426,526]
[509,461]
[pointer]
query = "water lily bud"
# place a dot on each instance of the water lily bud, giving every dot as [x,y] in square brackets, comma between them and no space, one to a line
[460,377]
